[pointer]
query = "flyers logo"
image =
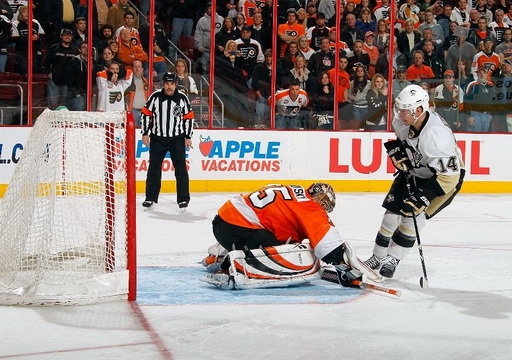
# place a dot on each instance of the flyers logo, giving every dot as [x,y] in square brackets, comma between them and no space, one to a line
[114,96]
[292,33]
[248,52]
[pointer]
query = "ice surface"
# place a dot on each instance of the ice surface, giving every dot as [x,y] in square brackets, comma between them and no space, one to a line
[466,313]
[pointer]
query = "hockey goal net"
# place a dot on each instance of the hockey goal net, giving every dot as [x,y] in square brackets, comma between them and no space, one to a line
[65,234]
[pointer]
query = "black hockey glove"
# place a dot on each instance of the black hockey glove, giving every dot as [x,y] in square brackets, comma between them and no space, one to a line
[415,204]
[346,275]
[396,153]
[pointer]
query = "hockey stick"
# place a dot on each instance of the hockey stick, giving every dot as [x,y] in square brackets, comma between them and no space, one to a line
[424,278]
[332,276]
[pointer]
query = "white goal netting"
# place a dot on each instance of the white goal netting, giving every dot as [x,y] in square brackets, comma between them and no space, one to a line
[63,222]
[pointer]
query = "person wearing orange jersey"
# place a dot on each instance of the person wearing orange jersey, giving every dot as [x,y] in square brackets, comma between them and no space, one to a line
[277,217]
[419,71]
[289,104]
[290,31]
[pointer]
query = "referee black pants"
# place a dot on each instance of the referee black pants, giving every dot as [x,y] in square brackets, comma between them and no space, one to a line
[158,147]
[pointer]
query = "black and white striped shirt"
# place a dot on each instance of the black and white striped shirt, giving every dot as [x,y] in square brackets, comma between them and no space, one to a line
[168,116]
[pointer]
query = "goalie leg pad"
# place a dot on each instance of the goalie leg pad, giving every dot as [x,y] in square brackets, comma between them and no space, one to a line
[274,266]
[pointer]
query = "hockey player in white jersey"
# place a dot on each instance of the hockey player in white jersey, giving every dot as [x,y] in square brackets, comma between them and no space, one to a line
[430,174]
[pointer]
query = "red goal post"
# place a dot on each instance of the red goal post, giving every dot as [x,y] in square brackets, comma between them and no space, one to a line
[67,219]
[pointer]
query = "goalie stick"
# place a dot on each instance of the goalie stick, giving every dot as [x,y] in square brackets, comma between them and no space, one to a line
[332,276]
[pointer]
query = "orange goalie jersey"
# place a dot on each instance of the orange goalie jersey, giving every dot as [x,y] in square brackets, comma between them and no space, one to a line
[288,212]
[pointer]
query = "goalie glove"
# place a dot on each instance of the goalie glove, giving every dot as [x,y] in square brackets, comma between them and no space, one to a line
[346,275]
[415,204]
[396,153]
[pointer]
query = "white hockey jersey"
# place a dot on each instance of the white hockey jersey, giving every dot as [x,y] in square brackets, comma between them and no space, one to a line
[433,151]
[110,95]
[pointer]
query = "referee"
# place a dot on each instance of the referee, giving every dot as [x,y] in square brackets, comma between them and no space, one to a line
[167,121]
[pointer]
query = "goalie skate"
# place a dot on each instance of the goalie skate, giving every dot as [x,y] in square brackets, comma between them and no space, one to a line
[221,280]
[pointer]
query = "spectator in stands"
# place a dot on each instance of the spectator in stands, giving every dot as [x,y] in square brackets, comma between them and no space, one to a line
[186,83]
[350,33]
[451,38]
[57,14]
[430,23]
[311,15]
[251,53]
[460,14]
[382,66]
[322,60]
[481,7]
[357,58]
[106,35]
[382,37]
[480,97]
[302,18]
[77,80]
[115,15]
[184,12]
[461,74]
[481,33]
[289,107]
[407,39]
[247,8]
[227,8]
[5,30]
[328,8]
[5,9]
[504,97]
[400,81]
[104,60]
[261,80]
[357,92]
[80,31]
[111,88]
[239,22]
[372,51]
[428,36]
[57,61]
[128,51]
[343,85]
[114,47]
[418,71]
[260,32]
[129,21]
[318,32]
[443,18]
[322,98]
[139,91]
[304,48]
[160,46]
[431,60]
[377,98]
[461,50]
[350,8]
[498,26]
[381,11]
[474,15]
[287,61]
[409,11]
[448,98]
[227,32]
[487,58]
[299,72]
[504,50]
[203,33]
[365,22]
[19,34]
[290,31]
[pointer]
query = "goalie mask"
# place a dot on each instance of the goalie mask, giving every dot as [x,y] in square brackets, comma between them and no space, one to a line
[323,194]
[411,98]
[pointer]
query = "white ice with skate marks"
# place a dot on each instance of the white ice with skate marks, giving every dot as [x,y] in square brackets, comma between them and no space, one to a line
[466,313]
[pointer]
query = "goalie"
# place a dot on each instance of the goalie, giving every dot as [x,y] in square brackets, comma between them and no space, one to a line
[260,238]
